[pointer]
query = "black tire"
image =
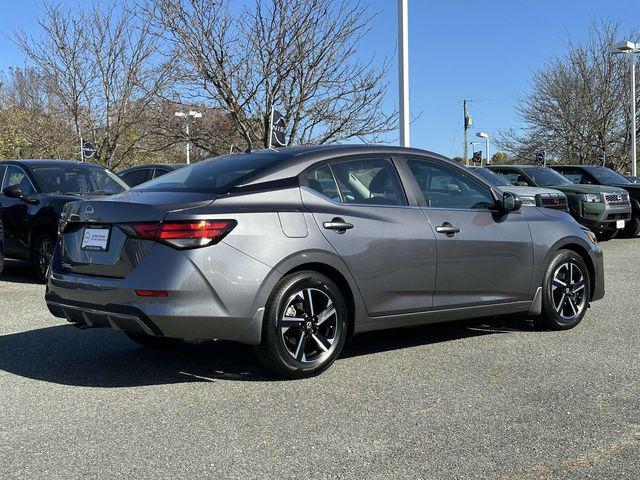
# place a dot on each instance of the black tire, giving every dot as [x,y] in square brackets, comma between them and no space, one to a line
[632,229]
[606,235]
[150,341]
[41,255]
[567,285]
[314,337]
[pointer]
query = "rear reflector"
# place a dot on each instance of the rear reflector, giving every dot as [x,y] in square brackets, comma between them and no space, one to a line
[152,293]
[186,233]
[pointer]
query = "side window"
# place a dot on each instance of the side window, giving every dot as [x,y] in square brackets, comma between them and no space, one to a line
[445,187]
[369,182]
[2,170]
[158,172]
[321,180]
[135,178]
[16,177]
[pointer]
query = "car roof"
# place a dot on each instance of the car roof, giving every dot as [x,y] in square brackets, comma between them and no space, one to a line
[524,167]
[290,161]
[173,166]
[44,162]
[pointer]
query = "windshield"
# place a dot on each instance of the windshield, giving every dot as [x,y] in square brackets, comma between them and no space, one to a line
[216,175]
[491,177]
[80,179]
[606,176]
[545,177]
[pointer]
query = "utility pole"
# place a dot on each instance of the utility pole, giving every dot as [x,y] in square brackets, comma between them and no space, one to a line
[467,123]
[403,70]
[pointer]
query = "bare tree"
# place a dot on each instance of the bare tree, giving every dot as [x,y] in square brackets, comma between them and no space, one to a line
[297,55]
[578,106]
[103,66]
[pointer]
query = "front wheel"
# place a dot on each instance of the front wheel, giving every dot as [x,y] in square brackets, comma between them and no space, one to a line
[42,253]
[632,229]
[305,326]
[566,291]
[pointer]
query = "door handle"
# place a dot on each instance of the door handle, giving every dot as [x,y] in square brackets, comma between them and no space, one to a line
[338,224]
[448,229]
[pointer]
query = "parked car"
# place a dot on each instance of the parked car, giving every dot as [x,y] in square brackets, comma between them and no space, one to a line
[605,210]
[295,250]
[530,196]
[135,176]
[633,179]
[592,175]
[32,197]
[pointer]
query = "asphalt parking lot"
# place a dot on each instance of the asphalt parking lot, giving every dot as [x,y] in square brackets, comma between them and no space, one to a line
[491,399]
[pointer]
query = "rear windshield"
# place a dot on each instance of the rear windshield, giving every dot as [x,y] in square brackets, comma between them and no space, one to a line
[216,175]
[80,179]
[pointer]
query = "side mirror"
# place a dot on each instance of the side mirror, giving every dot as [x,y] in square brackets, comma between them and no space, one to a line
[510,202]
[13,191]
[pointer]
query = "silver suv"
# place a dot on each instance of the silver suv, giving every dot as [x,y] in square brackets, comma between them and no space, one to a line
[296,250]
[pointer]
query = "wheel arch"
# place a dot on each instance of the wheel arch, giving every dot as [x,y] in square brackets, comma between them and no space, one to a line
[584,254]
[41,225]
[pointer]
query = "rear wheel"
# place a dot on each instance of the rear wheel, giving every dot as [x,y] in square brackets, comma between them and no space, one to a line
[42,253]
[150,341]
[566,291]
[305,326]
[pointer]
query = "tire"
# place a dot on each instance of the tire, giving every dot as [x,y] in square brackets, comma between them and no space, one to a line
[606,235]
[566,290]
[41,255]
[150,341]
[632,229]
[309,344]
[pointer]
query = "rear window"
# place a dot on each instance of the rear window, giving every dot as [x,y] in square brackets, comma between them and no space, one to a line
[216,175]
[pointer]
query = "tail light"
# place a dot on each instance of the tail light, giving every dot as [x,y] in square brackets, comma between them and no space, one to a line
[184,233]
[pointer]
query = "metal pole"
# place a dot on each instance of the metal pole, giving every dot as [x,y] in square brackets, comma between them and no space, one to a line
[403,71]
[270,133]
[634,170]
[466,146]
[487,160]
[188,146]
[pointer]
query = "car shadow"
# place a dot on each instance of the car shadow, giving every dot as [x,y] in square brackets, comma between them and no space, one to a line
[17,271]
[105,358]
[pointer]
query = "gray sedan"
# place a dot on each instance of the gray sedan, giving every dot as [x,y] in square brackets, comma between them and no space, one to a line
[294,251]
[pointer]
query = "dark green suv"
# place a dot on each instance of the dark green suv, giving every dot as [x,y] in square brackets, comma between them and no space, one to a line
[603,209]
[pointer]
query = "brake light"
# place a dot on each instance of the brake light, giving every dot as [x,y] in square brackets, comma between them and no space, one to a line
[186,233]
[152,293]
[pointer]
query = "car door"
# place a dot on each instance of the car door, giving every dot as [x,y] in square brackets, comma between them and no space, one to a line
[484,256]
[15,212]
[361,208]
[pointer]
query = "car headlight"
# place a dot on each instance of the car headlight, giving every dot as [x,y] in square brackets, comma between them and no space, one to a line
[591,236]
[591,197]
[530,201]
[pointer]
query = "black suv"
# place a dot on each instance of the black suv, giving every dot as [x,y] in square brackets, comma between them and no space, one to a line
[592,175]
[32,196]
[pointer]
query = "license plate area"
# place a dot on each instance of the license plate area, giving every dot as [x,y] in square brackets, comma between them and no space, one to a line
[619,224]
[96,239]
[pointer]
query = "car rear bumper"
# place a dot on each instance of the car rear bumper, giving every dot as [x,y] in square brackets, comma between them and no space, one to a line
[211,294]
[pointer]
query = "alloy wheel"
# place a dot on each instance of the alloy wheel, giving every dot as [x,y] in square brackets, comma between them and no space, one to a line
[309,325]
[43,256]
[568,290]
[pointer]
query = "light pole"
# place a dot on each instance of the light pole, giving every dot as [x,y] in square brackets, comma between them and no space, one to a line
[486,138]
[403,70]
[193,114]
[630,48]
